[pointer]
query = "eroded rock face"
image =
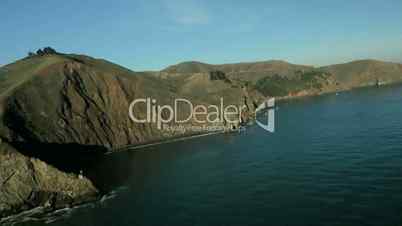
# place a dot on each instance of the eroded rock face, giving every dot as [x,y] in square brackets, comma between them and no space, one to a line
[75,103]
[26,183]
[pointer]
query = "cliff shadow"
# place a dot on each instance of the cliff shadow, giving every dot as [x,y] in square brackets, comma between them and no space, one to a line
[70,158]
[73,158]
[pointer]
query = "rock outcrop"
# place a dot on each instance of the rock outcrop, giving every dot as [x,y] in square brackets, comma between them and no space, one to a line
[26,183]
[218,75]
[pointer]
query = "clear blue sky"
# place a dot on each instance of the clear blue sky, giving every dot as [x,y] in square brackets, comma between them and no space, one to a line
[152,34]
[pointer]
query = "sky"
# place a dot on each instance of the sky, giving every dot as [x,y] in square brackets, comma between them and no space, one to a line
[153,34]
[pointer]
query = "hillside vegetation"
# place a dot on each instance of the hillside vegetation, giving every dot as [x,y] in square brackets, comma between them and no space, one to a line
[278,86]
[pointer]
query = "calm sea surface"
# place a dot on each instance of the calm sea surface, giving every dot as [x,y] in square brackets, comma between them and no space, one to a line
[333,160]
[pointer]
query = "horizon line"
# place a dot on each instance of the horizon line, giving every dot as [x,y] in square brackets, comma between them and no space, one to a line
[224,63]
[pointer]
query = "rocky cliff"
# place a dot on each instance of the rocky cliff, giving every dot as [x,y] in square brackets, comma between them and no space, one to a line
[27,182]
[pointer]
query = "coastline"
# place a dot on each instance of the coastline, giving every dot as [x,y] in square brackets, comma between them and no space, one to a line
[135,147]
[340,90]
[163,141]
[140,147]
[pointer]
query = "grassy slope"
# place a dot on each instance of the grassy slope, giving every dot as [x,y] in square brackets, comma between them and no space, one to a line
[14,75]
[365,72]
[251,71]
[26,70]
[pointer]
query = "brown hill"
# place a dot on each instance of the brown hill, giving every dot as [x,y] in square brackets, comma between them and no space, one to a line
[251,71]
[78,99]
[365,72]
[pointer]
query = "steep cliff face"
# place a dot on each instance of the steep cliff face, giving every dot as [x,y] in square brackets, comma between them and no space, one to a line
[77,99]
[78,102]
[26,183]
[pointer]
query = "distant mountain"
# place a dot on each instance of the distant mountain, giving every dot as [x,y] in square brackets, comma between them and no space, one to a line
[189,67]
[282,79]
[251,71]
[365,72]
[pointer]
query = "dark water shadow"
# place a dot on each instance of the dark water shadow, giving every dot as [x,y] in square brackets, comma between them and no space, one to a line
[69,158]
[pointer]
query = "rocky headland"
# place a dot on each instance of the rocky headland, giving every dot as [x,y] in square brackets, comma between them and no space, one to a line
[26,183]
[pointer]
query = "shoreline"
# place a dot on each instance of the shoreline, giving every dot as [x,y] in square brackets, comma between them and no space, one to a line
[340,90]
[135,147]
